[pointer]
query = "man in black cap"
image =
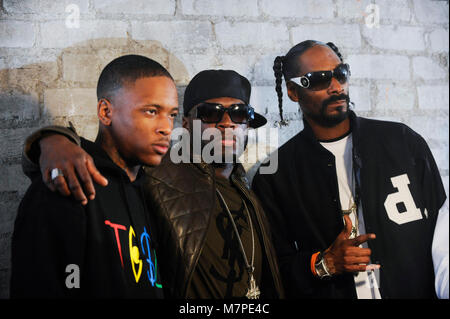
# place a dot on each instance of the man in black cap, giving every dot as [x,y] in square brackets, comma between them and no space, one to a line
[214,237]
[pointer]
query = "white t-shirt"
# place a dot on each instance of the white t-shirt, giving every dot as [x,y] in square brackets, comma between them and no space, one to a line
[366,282]
[440,252]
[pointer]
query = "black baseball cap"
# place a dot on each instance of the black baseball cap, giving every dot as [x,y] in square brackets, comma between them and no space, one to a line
[210,84]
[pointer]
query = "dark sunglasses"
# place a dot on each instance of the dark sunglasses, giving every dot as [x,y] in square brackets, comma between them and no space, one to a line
[213,112]
[321,80]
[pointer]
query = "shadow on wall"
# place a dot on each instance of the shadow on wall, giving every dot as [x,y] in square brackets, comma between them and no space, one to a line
[34,95]
[64,90]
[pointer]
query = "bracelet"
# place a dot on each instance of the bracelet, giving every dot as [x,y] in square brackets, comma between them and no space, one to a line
[321,268]
[313,263]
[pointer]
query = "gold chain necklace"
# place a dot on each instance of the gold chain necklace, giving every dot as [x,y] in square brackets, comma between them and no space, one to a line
[353,206]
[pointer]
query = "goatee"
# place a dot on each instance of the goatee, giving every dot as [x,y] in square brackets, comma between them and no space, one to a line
[327,120]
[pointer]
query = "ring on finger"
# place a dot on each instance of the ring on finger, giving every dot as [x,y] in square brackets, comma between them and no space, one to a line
[56,172]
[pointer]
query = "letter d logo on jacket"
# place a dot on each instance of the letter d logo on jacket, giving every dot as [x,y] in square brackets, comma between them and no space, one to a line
[404,196]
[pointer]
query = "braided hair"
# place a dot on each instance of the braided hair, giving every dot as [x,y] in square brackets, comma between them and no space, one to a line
[288,67]
[278,71]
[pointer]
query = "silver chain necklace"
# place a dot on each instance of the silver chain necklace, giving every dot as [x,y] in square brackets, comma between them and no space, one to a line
[253,290]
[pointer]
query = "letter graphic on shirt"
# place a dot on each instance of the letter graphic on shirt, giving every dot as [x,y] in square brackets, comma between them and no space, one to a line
[134,255]
[158,285]
[151,267]
[116,233]
[404,196]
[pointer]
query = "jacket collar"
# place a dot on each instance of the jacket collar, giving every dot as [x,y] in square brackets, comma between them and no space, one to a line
[355,127]
[238,172]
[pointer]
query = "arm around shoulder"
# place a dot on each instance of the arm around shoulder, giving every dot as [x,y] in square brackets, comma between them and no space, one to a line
[31,150]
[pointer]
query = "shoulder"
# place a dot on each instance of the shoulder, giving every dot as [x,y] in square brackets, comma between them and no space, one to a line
[387,128]
[284,154]
[183,177]
[40,206]
[292,144]
[390,133]
[278,165]
[170,171]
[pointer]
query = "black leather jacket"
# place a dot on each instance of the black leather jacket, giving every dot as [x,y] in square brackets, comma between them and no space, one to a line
[182,196]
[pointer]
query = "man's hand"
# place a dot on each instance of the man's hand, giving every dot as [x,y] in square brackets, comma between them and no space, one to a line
[57,151]
[344,255]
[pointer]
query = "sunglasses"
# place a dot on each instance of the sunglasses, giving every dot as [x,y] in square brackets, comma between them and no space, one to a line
[213,112]
[321,80]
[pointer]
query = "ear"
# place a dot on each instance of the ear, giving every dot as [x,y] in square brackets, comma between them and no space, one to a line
[292,91]
[104,112]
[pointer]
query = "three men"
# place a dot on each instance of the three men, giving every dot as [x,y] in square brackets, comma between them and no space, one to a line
[351,194]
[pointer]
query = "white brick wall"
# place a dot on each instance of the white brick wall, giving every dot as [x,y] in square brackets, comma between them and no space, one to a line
[17,34]
[431,12]
[395,37]
[261,36]
[397,11]
[265,101]
[395,97]
[69,102]
[177,35]
[360,96]
[347,35]
[149,7]
[43,6]
[55,34]
[263,72]
[426,69]
[309,9]
[48,71]
[232,8]
[388,67]
[433,97]
[434,129]
[439,40]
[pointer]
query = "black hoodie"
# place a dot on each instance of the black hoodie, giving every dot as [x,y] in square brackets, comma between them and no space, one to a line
[109,244]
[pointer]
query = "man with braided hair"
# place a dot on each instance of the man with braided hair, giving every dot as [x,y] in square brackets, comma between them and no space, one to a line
[355,201]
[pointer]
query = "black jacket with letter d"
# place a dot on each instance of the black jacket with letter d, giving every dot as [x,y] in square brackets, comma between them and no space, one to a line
[401,193]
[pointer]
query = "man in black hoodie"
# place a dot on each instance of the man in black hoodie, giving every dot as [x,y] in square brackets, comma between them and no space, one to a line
[106,248]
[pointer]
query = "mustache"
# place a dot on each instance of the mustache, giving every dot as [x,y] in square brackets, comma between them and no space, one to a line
[335,98]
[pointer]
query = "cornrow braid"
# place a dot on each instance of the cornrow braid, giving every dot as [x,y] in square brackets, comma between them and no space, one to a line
[278,72]
[336,50]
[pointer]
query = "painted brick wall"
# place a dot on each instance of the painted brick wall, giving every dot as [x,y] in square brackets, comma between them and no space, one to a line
[51,53]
